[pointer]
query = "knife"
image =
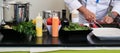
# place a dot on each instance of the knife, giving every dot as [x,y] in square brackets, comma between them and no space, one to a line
[98,24]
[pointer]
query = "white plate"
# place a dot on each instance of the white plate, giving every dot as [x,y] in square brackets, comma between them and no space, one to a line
[107,33]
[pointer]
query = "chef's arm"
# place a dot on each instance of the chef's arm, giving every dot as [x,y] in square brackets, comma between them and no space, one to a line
[89,16]
[73,4]
[114,12]
[76,5]
[110,17]
[82,9]
[116,8]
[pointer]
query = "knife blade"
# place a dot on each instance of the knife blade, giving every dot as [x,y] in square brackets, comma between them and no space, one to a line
[98,24]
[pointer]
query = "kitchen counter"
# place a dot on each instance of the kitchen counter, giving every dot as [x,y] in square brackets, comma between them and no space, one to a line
[48,41]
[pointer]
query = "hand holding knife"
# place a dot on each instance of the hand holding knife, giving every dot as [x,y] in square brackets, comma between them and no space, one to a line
[95,24]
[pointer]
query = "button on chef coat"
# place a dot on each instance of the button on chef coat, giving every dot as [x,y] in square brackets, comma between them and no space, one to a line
[98,7]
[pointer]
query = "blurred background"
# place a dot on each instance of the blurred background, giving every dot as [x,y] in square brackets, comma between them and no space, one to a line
[39,6]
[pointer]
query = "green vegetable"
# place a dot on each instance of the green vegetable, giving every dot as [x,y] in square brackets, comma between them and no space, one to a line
[28,28]
[74,27]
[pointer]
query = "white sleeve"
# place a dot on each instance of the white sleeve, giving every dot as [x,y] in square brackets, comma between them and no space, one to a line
[72,4]
[116,6]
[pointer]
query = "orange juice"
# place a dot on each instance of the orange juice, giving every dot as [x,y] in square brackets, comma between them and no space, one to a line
[39,26]
[55,25]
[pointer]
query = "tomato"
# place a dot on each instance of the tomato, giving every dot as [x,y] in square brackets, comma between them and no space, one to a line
[49,21]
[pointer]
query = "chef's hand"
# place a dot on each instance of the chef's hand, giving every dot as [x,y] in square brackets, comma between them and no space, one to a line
[89,16]
[107,19]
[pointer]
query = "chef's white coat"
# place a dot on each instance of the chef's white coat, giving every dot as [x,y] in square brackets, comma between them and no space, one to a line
[100,8]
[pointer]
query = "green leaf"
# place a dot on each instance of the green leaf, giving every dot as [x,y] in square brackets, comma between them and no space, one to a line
[27,28]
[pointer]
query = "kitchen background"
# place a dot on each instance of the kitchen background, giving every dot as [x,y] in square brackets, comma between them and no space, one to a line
[1,10]
[41,5]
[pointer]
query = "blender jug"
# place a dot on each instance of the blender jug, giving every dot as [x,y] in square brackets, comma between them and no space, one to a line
[16,12]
